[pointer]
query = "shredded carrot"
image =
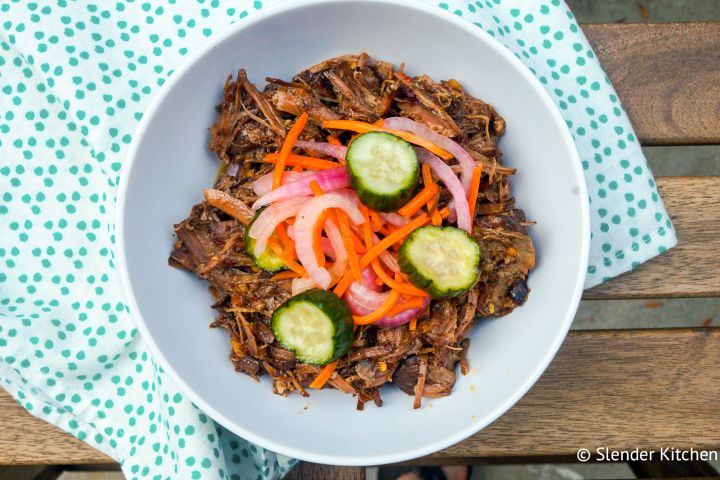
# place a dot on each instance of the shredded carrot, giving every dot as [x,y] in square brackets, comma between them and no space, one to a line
[375,221]
[286,148]
[427,174]
[324,375]
[362,127]
[286,275]
[297,168]
[386,242]
[343,284]
[359,245]
[385,230]
[315,187]
[408,305]
[382,310]
[379,123]
[334,140]
[419,200]
[285,257]
[375,250]
[347,236]
[402,287]
[413,324]
[444,213]
[285,240]
[435,218]
[317,238]
[474,187]
[367,232]
[303,161]
[432,204]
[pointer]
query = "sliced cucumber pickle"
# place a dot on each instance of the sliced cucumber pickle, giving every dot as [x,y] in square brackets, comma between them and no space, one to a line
[316,325]
[383,169]
[268,260]
[443,261]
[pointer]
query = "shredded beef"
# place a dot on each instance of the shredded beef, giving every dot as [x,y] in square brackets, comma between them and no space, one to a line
[209,243]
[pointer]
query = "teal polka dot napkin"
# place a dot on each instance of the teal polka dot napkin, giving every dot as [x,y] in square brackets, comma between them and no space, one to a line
[75,78]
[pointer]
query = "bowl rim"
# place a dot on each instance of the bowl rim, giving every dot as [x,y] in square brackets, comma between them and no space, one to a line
[379,458]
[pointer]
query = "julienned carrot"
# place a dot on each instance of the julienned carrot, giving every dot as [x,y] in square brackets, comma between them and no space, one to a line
[316,189]
[382,310]
[290,262]
[317,238]
[324,375]
[359,244]
[427,174]
[286,275]
[334,140]
[474,187]
[347,236]
[444,212]
[286,148]
[375,250]
[413,324]
[303,161]
[419,200]
[285,240]
[348,277]
[375,221]
[386,242]
[362,127]
[435,217]
[379,123]
[402,287]
[367,231]
[408,305]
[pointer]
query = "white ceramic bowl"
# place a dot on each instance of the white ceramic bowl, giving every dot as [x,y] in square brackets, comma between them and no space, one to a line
[169,165]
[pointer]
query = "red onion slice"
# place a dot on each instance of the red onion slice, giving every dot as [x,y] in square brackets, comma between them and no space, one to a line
[300,285]
[335,151]
[386,258]
[329,180]
[467,164]
[447,176]
[362,300]
[304,224]
[336,243]
[394,219]
[263,185]
[402,317]
[265,224]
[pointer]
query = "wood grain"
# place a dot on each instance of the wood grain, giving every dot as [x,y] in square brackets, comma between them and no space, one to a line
[25,440]
[667,76]
[692,269]
[314,471]
[617,388]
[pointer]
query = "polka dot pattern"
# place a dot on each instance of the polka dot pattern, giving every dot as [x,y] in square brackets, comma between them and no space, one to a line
[75,79]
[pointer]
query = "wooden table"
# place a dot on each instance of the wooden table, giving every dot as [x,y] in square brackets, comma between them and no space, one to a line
[616,388]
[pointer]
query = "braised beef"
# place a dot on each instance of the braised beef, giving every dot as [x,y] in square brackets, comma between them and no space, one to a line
[251,123]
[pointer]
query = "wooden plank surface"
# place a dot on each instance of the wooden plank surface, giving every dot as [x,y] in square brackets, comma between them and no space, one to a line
[617,389]
[667,76]
[314,471]
[620,389]
[692,268]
